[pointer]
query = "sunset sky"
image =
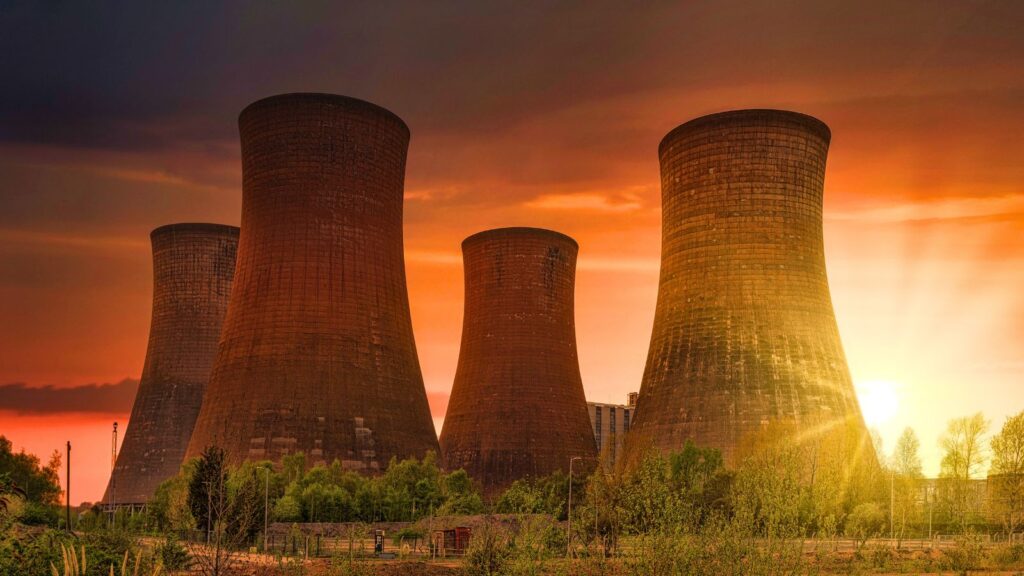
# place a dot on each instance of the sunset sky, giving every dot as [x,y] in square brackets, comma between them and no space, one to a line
[116,121]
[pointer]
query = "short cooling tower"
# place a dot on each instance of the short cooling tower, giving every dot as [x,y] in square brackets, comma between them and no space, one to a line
[517,407]
[317,353]
[744,332]
[193,265]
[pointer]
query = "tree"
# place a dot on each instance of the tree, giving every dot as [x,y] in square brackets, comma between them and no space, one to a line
[168,509]
[906,469]
[963,459]
[41,484]
[227,505]
[8,491]
[1006,477]
[866,521]
[208,479]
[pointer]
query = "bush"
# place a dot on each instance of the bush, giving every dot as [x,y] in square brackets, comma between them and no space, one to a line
[966,555]
[866,521]
[488,552]
[287,509]
[173,555]
[106,547]
[36,514]
[1009,556]
[30,553]
[407,535]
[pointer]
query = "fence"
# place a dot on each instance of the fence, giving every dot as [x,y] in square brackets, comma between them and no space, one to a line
[318,546]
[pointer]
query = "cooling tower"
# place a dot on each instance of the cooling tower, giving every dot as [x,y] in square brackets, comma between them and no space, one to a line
[744,332]
[193,265]
[517,407]
[317,353]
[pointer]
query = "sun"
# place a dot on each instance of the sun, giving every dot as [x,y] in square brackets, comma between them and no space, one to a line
[879,401]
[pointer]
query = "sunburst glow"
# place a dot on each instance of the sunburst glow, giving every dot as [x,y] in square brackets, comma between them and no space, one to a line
[879,401]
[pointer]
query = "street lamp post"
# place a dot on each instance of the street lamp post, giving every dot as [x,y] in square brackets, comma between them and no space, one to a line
[568,528]
[209,512]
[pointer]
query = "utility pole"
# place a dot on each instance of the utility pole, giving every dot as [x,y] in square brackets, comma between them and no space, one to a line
[113,481]
[931,506]
[568,527]
[266,508]
[67,500]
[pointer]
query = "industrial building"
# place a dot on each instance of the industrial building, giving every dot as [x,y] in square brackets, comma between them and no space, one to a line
[610,423]
[744,332]
[517,408]
[317,353]
[193,268]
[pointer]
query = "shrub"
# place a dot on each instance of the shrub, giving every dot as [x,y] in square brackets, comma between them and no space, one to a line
[488,552]
[1010,556]
[966,555]
[866,521]
[173,555]
[36,514]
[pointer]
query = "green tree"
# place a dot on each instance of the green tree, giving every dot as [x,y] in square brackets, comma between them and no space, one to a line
[963,459]
[906,469]
[1006,477]
[169,508]
[41,484]
[206,487]
[37,485]
[866,521]
[460,496]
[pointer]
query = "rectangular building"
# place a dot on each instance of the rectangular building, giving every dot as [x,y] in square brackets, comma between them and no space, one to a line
[610,423]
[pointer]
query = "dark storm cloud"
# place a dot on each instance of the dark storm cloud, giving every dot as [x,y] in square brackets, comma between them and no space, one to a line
[153,75]
[93,398]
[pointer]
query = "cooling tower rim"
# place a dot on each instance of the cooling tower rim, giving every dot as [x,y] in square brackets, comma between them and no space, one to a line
[516,232]
[813,124]
[326,97]
[207,227]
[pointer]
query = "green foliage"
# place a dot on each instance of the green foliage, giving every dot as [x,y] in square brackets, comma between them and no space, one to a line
[206,487]
[967,555]
[287,509]
[8,492]
[172,555]
[1009,556]
[22,476]
[408,490]
[37,514]
[544,495]
[866,521]
[963,457]
[1006,478]
[488,553]
[168,510]
[245,496]
[459,496]
[107,547]
[408,534]
[29,553]
[537,539]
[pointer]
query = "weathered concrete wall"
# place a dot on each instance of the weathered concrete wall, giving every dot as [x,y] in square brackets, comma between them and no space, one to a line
[317,353]
[744,331]
[517,407]
[193,268]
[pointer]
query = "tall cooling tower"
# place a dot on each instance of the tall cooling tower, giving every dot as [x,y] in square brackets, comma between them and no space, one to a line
[517,407]
[317,353]
[744,332]
[193,265]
